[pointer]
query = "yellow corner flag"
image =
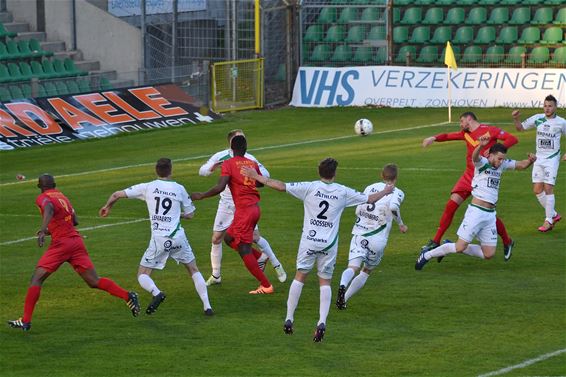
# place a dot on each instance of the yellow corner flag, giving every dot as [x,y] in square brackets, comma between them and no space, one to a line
[449,58]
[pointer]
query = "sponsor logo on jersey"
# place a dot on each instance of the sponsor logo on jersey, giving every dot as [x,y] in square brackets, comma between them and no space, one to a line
[325,196]
[166,193]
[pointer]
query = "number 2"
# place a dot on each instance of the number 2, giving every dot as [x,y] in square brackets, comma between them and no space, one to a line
[324,204]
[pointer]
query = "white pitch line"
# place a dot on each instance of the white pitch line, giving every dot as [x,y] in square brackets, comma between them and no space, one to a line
[81,217]
[524,363]
[80,230]
[251,150]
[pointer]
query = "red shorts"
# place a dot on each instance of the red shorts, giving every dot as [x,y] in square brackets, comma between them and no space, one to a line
[243,225]
[63,250]
[464,186]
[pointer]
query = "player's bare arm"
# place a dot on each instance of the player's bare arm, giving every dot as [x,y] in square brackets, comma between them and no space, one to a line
[378,195]
[521,165]
[47,216]
[483,141]
[266,181]
[217,189]
[105,210]
[428,141]
[187,216]
[516,114]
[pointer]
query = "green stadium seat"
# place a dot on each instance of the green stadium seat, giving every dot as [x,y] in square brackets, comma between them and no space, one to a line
[13,49]
[327,16]
[485,35]
[487,2]
[61,88]
[26,90]
[560,18]
[539,55]
[371,15]
[59,68]
[424,2]
[4,55]
[552,35]
[4,74]
[445,2]
[508,35]
[356,34]
[16,92]
[348,15]
[362,55]
[494,55]
[421,34]
[510,2]
[25,51]
[472,54]
[396,15]
[377,33]
[72,69]
[320,53]
[477,16]
[441,35]
[401,56]
[559,56]
[533,2]
[41,92]
[5,94]
[542,16]
[433,16]
[520,16]
[314,33]
[15,73]
[37,70]
[25,69]
[403,2]
[73,87]
[105,84]
[467,2]
[498,16]
[380,55]
[400,34]
[334,34]
[455,16]
[50,88]
[342,53]
[464,35]
[514,55]
[48,69]
[529,35]
[84,85]
[35,46]
[428,54]
[5,33]
[412,16]
[555,2]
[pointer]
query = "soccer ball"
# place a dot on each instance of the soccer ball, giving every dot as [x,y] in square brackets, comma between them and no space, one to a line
[363,127]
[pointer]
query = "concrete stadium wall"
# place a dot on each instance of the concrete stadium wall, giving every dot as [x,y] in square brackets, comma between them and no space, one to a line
[24,11]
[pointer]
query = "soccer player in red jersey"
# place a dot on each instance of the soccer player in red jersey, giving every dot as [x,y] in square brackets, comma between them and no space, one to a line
[471,131]
[239,236]
[59,220]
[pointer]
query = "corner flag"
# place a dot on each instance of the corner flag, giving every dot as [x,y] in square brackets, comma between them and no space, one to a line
[449,58]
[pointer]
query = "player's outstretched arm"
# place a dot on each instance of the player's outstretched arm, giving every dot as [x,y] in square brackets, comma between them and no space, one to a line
[428,141]
[105,210]
[266,181]
[522,165]
[215,190]
[564,157]
[48,212]
[483,141]
[378,195]
[187,216]
[516,114]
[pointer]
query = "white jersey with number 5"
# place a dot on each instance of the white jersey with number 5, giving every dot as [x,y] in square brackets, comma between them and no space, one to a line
[323,204]
[549,131]
[485,184]
[377,218]
[165,200]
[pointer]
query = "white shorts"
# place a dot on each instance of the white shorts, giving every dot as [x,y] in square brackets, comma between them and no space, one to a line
[325,259]
[368,250]
[224,217]
[161,248]
[479,223]
[545,170]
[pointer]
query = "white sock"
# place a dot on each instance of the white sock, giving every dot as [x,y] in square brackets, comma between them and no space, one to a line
[147,283]
[358,282]
[216,259]
[474,251]
[440,251]
[325,298]
[200,286]
[347,276]
[542,199]
[549,208]
[265,247]
[293,300]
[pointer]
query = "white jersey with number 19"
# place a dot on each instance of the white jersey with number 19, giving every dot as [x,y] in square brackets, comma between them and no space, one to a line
[165,200]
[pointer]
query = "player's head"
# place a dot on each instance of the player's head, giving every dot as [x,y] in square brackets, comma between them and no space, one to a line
[327,168]
[497,154]
[550,105]
[466,120]
[233,133]
[239,145]
[389,173]
[46,182]
[163,167]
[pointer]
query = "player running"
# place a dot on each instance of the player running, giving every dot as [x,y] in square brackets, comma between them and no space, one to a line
[550,128]
[471,131]
[225,215]
[239,235]
[370,234]
[59,220]
[167,203]
[479,220]
[324,201]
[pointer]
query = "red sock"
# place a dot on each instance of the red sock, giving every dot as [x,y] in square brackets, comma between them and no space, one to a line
[502,231]
[446,219]
[114,289]
[31,299]
[256,253]
[253,268]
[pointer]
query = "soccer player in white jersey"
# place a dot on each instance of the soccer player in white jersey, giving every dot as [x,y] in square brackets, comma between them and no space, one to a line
[550,128]
[167,203]
[370,234]
[324,201]
[479,220]
[225,215]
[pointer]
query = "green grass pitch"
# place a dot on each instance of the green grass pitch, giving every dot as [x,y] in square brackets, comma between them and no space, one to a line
[463,317]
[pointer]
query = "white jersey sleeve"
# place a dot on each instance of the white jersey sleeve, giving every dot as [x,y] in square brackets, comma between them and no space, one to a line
[298,189]
[136,191]
[508,164]
[354,198]
[531,121]
[206,169]
[395,205]
[186,202]
[262,168]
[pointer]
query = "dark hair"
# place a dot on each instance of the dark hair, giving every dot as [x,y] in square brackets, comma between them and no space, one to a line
[327,168]
[46,181]
[233,132]
[239,145]
[163,167]
[497,147]
[551,98]
[389,172]
[469,114]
